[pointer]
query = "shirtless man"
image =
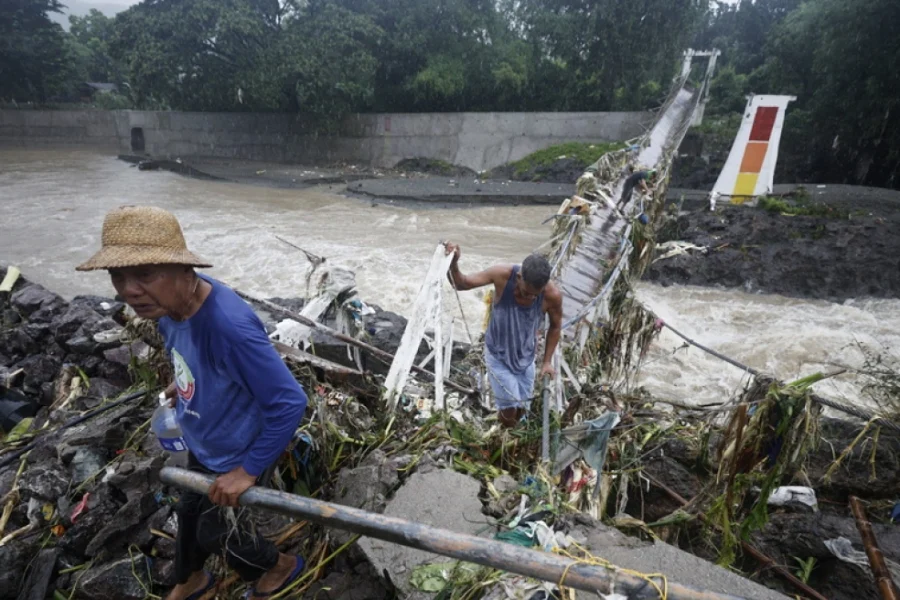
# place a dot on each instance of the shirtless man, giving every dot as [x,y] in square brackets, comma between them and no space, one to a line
[522,295]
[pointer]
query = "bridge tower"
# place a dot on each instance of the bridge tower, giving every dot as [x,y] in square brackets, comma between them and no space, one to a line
[689,56]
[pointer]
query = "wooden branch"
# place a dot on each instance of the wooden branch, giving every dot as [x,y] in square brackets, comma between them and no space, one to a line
[883,580]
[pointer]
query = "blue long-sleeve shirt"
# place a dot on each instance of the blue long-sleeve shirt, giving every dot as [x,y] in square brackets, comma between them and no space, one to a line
[238,404]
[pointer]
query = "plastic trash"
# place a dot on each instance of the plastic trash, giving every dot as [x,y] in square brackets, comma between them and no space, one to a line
[291,333]
[80,508]
[588,440]
[12,275]
[794,493]
[165,425]
[843,549]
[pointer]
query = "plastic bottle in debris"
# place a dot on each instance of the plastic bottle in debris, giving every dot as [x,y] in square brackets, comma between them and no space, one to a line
[165,426]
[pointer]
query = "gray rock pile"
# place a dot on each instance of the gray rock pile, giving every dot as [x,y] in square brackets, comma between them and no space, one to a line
[87,510]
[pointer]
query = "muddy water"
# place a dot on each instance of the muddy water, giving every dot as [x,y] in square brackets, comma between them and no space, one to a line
[788,337]
[52,205]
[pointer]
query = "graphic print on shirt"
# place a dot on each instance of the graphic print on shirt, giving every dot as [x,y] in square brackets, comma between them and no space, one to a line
[184,379]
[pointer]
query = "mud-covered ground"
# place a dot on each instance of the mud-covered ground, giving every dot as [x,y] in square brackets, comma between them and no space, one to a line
[850,255]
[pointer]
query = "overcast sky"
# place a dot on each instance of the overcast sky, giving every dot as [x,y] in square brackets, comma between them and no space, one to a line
[83,7]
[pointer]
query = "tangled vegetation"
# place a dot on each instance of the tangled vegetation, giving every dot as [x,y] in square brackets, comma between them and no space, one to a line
[802,207]
[579,154]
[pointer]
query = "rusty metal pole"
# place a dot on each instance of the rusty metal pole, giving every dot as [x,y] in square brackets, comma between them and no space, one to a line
[883,580]
[490,553]
[545,426]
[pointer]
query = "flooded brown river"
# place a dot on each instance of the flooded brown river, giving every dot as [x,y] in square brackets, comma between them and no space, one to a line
[52,204]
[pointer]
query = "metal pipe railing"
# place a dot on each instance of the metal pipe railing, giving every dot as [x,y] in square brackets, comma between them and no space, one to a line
[545,421]
[490,553]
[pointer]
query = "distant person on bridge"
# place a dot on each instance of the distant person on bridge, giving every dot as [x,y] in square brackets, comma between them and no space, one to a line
[522,295]
[637,179]
[237,403]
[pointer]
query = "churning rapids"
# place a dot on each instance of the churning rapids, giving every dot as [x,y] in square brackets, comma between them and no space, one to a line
[52,205]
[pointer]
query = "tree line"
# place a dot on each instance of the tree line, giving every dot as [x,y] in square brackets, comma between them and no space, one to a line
[327,58]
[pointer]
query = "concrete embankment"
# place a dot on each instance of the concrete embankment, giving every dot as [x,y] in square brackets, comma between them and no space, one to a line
[479,141]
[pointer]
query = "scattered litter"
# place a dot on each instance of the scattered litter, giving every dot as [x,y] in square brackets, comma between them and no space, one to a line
[895,514]
[676,248]
[588,440]
[80,508]
[535,533]
[163,499]
[787,494]
[86,463]
[291,333]
[12,275]
[34,511]
[516,587]
[533,487]
[843,549]
[109,336]
[110,471]
[520,536]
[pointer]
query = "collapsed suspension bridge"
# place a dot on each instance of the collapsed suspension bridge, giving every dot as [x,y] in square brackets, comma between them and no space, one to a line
[595,250]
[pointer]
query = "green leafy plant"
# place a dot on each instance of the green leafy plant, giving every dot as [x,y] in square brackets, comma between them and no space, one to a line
[801,207]
[582,152]
[805,569]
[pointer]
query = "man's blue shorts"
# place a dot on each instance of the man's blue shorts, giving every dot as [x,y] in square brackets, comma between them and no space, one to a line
[511,390]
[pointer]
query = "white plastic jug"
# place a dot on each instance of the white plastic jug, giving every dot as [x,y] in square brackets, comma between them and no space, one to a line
[165,425]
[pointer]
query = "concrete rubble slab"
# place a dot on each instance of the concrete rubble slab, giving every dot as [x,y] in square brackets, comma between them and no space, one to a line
[441,498]
[678,566]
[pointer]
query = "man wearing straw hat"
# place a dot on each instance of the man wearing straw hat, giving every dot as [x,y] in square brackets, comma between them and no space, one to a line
[237,403]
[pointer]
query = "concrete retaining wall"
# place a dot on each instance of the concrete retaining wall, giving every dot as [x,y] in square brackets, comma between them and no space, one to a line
[94,128]
[479,141]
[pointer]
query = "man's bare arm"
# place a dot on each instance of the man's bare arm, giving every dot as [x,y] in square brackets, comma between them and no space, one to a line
[553,298]
[463,282]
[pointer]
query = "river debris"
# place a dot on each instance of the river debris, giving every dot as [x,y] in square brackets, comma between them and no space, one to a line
[631,485]
[350,451]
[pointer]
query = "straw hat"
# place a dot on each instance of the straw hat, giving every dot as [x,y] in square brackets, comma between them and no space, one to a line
[141,235]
